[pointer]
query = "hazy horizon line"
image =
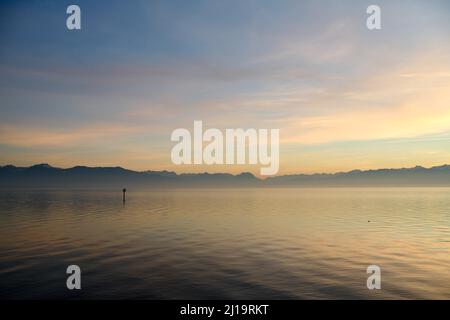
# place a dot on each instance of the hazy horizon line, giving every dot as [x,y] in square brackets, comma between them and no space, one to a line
[233,174]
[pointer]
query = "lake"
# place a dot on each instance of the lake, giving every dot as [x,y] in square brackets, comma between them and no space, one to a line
[293,243]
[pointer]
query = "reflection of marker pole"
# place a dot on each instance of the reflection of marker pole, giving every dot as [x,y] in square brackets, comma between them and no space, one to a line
[123,191]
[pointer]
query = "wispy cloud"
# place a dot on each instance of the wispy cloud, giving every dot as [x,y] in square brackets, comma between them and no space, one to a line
[21,136]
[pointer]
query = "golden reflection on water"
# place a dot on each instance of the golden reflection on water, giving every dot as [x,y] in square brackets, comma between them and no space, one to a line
[227,243]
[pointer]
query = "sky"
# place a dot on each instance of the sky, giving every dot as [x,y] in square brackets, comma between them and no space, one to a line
[344,97]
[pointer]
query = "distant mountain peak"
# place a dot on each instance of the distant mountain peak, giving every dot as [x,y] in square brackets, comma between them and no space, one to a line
[246,175]
[42,165]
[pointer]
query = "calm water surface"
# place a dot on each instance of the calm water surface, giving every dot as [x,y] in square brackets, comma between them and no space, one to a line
[226,243]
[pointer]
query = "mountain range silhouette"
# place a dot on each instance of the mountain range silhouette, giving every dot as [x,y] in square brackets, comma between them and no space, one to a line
[46,176]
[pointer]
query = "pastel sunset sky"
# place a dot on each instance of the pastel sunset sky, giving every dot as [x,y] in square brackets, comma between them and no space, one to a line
[343,97]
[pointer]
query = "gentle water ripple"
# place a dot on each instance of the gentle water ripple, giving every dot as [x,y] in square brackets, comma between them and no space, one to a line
[227,244]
